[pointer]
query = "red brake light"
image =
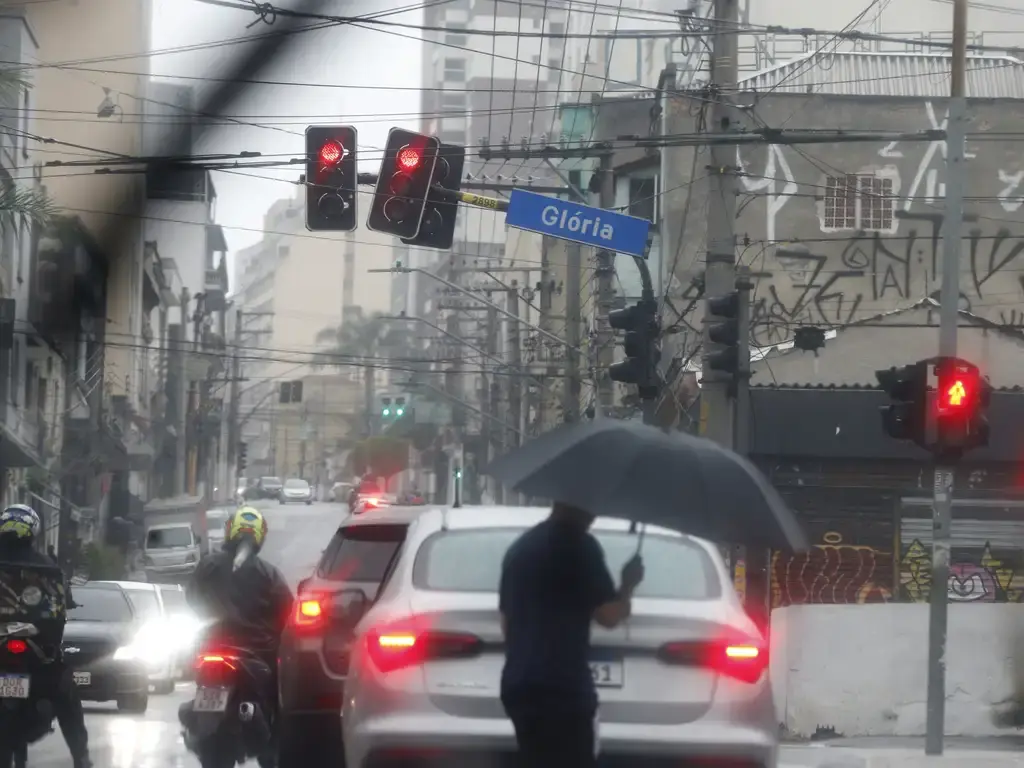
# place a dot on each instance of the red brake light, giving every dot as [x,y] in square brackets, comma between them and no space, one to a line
[331,153]
[409,159]
[309,612]
[394,649]
[214,669]
[16,645]
[743,661]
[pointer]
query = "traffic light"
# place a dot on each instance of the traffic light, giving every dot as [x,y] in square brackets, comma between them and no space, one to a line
[724,332]
[243,456]
[400,198]
[399,407]
[640,322]
[331,178]
[962,397]
[438,227]
[291,392]
[907,387]
[385,407]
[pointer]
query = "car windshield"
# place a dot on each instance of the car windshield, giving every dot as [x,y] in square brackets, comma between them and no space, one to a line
[470,561]
[145,603]
[297,484]
[100,605]
[163,538]
[270,480]
[174,601]
[216,517]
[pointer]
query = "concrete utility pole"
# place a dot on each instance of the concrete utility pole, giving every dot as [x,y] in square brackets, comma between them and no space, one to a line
[604,292]
[517,382]
[234,428]
[720,265]
[956,173]
[572,388]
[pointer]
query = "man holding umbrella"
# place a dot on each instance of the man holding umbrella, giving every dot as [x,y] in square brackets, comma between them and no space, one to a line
[554,583]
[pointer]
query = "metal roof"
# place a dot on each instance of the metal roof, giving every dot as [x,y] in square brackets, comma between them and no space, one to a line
[920,75]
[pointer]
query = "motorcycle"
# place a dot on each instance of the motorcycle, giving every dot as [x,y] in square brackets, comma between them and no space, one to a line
[25,716]
[229,719]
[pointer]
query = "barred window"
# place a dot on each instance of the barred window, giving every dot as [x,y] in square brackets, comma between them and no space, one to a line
[859,202]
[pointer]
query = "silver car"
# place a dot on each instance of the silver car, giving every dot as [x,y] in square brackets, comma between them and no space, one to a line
[685,678]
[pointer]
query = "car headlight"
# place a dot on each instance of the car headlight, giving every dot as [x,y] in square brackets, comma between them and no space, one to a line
[126,653]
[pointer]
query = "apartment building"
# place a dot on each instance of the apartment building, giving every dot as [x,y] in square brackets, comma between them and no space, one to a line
[292,286]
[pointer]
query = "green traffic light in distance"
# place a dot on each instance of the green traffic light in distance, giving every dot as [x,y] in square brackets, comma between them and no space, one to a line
[400,412]
[386,412]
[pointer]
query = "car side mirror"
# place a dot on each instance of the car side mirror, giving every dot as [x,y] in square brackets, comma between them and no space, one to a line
[350,605]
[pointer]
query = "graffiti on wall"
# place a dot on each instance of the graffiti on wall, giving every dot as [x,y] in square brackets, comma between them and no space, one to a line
[832,572]
[976,574]
[871,262]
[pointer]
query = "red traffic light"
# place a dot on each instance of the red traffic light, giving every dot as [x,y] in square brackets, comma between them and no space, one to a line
[956,394]
[331,153]
[409,159]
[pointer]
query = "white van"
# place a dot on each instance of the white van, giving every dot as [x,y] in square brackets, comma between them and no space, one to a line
[172,552]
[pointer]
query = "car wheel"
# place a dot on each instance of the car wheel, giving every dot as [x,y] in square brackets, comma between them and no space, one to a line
[134,703]
[164,687]
[280,501]
[309,502]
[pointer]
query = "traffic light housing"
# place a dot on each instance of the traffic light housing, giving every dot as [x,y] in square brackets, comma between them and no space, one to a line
[640,322]
[723,318]
[439,216]
[962,397]
[907,387]
[243,456]
[400,197]
[331,178]
[399,407]
[386,410]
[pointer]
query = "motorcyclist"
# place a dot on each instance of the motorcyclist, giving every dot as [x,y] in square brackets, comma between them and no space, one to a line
[246,599]
[19,529]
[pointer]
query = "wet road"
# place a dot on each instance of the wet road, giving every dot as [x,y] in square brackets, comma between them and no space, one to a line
[298,534]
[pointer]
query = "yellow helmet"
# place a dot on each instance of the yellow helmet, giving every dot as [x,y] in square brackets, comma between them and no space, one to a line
[247,521]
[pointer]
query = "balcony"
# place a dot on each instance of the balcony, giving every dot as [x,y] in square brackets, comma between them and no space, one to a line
[215,286]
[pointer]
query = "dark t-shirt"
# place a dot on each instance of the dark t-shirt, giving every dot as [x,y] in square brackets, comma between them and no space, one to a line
[552,580]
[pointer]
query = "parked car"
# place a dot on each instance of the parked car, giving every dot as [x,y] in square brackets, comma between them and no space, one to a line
[296,490]
[684,680]
[314,646]
[183,626]
[102,647]
[268,487]
[172,553]
[339,492]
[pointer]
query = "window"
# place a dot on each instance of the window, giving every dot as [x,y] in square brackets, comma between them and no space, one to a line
[453,137]
[858,202]
[145,604]
[455,70]
[470,561]
[165,538]
[455,37]
[362,553]
[556,28]
[453,101]
[96,604]
[643,194]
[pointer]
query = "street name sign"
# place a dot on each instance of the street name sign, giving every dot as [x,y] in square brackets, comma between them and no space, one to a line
[584,224]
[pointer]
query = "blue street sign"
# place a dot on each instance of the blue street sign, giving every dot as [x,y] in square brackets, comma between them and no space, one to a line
[610,230]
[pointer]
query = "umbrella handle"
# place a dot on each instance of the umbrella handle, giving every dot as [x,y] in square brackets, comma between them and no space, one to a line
[640,537]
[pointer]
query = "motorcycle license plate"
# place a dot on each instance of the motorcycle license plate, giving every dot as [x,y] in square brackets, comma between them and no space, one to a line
[14,686]
[82,678]
[211,699]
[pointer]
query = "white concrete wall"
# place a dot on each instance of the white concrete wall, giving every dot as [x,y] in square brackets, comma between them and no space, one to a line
[861,669]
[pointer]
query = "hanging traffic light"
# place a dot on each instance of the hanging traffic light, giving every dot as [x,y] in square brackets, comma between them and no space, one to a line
[439,216]
[385,407]
[905,417]
[400,198]
[243,456]
[640,322]
[399,407]
[724,332]
[331,178]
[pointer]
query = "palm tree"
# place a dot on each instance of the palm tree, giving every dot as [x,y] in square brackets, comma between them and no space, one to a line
[356,341]
[17,204]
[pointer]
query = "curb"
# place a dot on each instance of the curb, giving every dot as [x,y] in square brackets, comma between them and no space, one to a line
[849,757]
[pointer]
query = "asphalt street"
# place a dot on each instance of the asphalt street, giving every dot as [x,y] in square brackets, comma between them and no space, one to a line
[298,534]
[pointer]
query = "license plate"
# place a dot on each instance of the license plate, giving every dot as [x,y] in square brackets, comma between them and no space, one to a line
[14,686]
[607,674]
[82,678]
[211,699]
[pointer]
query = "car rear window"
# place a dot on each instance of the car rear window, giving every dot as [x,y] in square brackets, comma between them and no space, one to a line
[145,603]
[470,561]
[174,600]
[361,553]
[163,538]
[100,605]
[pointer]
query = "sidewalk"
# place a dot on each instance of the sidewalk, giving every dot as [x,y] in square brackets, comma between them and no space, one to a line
[896,752]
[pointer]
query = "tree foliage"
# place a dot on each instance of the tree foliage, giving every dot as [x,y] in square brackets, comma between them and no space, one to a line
[380,456]
[18,204]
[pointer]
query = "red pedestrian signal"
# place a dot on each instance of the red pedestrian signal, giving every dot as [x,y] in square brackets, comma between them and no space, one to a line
[956,395]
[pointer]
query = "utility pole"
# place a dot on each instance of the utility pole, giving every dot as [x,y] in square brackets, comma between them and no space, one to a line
[516,382]
[956,173]
[720,266]
[490,400]
[604,292]
[234,428]
[572,387]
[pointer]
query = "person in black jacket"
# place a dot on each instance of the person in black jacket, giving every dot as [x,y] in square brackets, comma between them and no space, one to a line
[19,528]
[245,599]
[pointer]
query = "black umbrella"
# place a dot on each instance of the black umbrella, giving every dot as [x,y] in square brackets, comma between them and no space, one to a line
[629,470]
